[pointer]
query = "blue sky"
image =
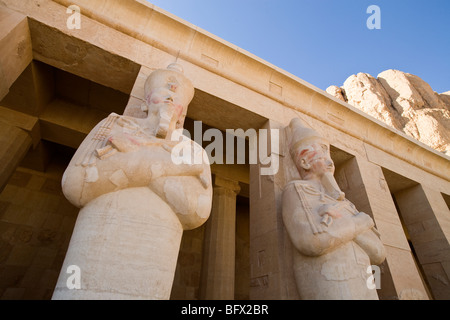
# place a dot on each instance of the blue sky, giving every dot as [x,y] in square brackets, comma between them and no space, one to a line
[325,41]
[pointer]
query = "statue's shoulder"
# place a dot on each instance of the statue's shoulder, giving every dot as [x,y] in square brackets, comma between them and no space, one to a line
[112,115]
[291,184]
[109,120]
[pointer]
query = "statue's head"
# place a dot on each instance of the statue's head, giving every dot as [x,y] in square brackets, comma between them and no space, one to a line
[169,87]
[311,155]
[309,151]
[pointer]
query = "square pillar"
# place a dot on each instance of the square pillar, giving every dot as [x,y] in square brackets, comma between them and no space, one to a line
[271,271]
[424,212]
[365,186]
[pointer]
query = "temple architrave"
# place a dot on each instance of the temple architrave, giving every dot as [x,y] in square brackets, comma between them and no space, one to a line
[67,65]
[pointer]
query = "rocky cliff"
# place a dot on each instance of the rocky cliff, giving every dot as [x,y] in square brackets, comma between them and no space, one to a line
[404,102]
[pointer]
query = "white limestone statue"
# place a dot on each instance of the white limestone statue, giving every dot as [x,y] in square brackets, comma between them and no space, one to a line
[335,244]
[135,201]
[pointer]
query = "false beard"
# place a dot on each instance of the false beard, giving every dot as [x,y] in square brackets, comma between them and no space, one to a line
[331,187]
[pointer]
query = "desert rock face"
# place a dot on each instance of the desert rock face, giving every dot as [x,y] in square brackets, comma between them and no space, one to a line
[404,102]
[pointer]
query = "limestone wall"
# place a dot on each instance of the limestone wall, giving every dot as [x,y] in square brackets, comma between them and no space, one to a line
[36,223]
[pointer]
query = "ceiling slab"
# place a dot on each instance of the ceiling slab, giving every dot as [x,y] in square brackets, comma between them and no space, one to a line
[81,58]
[222,114]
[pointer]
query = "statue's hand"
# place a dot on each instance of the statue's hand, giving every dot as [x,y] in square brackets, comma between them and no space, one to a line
[372,245]
[331,210]
[125,143]
[364,221]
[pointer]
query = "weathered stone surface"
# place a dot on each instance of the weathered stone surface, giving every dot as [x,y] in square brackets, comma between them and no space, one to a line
[403,101]
[337,92]
[445,97]
[427,118]
[218,269]
[366,93]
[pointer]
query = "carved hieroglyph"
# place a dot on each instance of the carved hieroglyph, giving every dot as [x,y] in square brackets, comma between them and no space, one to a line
[335,244]
[135,201]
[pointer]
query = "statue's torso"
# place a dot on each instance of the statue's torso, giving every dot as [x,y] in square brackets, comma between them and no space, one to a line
[337,274]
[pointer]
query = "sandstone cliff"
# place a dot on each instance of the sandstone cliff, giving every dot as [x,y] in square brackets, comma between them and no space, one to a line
[404,102]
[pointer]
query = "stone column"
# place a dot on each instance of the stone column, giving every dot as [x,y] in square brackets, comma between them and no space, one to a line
[424,212]
[365,185]
[218,267]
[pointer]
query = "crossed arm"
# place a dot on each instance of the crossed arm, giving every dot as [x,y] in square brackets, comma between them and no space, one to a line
[98,169]
[343,229]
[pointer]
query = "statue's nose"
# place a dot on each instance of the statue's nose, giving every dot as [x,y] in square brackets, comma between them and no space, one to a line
[329,164]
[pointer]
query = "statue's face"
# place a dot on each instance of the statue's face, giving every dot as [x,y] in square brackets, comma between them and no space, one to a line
[314,158]
[163,96]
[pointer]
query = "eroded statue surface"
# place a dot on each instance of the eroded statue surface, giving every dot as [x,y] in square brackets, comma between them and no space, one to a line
[335,244]
[135,201]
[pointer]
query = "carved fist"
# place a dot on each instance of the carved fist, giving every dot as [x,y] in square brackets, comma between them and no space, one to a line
[364,221]
[331,210]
